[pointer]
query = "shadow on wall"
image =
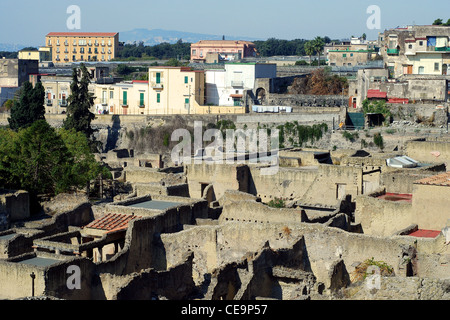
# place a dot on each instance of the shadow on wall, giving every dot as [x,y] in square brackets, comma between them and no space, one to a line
[113,134]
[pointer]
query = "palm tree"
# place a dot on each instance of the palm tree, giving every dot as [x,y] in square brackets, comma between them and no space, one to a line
[318,45]
[309,50]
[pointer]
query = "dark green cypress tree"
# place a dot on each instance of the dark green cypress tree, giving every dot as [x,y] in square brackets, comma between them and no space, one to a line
[29,108]
[79,115]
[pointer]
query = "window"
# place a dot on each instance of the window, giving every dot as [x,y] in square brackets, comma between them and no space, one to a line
[141,102]
[186,79]
[158,78]
[410,46]
[186,101]
[344,55]
[125,98]
[436,66]
[194,52]
[111,95]
[158,97]
[420,43]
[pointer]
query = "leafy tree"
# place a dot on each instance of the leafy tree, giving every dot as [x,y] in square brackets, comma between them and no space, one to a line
[41,160]
[79,115]
[29,107]
[318,45]
[378,140]
[84,167]
[377,107]
[124,70]
[447,23]
[437,22]
[38,160]
[309,50]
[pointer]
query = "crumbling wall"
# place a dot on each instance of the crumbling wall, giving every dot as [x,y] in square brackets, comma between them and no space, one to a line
[382,217]
[16,281]
[429,151]
[250,211]
[223,177]
[287,183]
[333,183]
[174,284]
[14,206]
[430,206]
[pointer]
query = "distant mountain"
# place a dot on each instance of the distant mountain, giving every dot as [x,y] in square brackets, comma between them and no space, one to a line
[12,47]
[157,36]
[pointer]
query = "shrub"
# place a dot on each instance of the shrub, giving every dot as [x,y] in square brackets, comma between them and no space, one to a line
[277,203]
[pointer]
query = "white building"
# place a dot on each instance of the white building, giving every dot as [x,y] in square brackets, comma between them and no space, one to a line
[227,87]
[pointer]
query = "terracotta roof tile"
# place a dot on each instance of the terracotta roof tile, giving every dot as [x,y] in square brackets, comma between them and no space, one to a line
[81,34]
[111,222]
[437,180]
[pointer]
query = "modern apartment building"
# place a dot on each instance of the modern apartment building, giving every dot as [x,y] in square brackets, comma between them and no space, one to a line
[416,50]
[226,50]
[69,47]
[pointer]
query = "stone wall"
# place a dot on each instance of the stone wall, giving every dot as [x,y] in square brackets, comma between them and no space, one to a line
[223,177]
[288,183]
[14,206]
[382,217]
[429,151]
[304,100]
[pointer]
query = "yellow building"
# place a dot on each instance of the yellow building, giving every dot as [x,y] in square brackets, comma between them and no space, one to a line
[176,90]
[41,55]
[124,98]
[82,46]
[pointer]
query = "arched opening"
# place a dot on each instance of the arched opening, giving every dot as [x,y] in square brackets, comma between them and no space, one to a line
[260,96]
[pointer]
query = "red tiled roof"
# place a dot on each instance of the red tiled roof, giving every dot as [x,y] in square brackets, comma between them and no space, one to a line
[111,222]
[437,180]
[376,94]
[421,233]
[81,34]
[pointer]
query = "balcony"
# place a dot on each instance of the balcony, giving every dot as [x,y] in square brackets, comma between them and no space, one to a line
[157,86]
[62,102]
[237,83]
[393,52]
[49,102]
[142,106]
[442,49]
[124,103]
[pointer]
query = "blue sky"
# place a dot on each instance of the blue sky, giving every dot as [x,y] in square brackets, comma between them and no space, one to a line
[28,21]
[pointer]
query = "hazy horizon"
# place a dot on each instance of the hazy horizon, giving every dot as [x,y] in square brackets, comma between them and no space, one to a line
[284,19]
